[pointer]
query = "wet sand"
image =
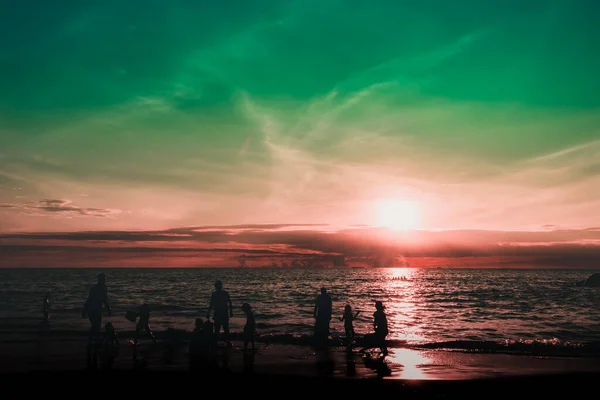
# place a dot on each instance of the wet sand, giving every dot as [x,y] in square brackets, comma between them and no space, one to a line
[53,365]
[64,353]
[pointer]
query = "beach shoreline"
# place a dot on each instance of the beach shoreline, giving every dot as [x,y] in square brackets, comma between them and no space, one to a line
[68,353]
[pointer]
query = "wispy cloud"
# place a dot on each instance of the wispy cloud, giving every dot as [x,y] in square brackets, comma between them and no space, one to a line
[257,119]
[66,208]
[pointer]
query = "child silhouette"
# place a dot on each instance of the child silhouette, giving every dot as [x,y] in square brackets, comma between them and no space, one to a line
[348,319]
[250,328]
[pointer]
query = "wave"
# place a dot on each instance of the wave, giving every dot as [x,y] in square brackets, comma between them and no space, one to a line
[534,347]
[539,347]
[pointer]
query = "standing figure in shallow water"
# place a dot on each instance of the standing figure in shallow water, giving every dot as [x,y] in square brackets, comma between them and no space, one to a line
[97,297]
[221,303]
[144,324]
[348,319]
[46,307]
[380,325]
[322,315]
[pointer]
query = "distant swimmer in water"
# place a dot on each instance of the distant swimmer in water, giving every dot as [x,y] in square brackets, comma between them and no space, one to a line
[46,307]
[97,297]
[220,302]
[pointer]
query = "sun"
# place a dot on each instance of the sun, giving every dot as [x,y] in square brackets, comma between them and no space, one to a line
[399,215]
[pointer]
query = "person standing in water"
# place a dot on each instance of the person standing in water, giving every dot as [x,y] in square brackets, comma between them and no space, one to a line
[46,307]
[220,301]
[348,320]
[144,324]
[380,325]
[322,315]
[97,297]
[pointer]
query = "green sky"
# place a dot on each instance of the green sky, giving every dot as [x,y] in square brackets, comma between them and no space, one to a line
[155,114]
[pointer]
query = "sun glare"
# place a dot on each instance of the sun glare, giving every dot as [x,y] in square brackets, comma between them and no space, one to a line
[398,214]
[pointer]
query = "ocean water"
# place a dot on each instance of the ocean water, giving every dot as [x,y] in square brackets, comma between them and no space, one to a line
[522,310]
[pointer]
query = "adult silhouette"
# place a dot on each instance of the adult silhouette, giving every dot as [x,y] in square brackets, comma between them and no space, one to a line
[380,325]
[144,324]
[220,301]
[322,315]
[97,297]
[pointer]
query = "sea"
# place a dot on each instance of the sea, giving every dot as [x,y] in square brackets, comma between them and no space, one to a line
[521,311]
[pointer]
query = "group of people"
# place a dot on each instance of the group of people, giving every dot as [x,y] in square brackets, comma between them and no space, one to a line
[206,333]
[323,312]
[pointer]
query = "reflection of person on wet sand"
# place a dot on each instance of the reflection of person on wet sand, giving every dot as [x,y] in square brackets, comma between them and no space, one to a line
[98,296]
[219,301]
[322,315]
[325,363]
[46,307]
[248,366]
[348,319]
[350,363]
[378,365]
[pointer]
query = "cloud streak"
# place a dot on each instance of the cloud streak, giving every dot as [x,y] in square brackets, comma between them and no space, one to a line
[303,246]
[50,207]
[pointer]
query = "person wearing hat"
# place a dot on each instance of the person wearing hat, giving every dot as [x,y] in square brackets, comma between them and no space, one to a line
[97,297]
[220,301]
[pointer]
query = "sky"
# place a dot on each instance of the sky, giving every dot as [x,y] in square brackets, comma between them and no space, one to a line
[281,132]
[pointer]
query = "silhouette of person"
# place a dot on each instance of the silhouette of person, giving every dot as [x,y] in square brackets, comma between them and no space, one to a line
[196,355]
[348,319]
[173,345]
[143,324]
[219,301]
[250,328]
[380,325]
[46,307]
[110,345]
[378,365]
[322,315]
[208,332]
[208,350]
[97,297]
[225,355]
